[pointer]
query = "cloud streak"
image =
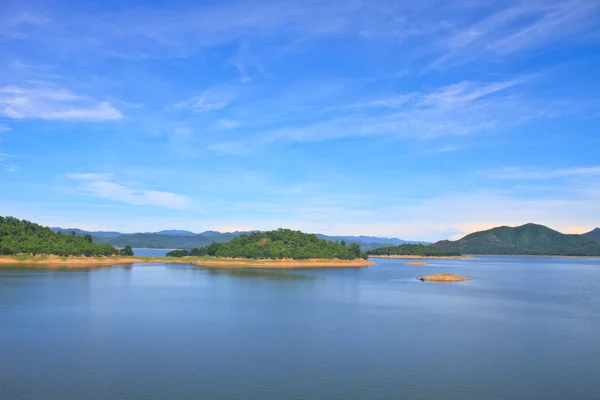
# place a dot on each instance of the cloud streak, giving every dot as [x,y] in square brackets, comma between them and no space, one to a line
[104,187]
[51,102]
[574,172]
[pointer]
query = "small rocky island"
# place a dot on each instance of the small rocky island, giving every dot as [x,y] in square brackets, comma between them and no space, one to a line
[443,278]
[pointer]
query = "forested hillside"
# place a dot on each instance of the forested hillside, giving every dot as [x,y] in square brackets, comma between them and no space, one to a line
[277,244]
[529,239]
[24,237]
[412,250]
[595,234]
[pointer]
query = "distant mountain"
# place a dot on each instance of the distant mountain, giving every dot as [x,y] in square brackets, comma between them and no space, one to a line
[181,239]
[158,241]
[176,232]
[367,243]
[529,239]
[80,232]
[368,239]
[595,234]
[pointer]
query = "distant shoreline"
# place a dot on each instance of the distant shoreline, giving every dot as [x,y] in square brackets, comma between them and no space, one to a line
[52,261]
[526,255]
[420,257]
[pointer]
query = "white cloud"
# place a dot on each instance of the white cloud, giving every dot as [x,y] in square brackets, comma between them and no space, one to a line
[53,103]
[103,186]
[4,128]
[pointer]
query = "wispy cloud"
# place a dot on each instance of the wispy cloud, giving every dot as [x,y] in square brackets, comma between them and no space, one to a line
[53,103]
[228,123]
[520,173]
[105,187]
[518,27]
[457,109]
[213,99]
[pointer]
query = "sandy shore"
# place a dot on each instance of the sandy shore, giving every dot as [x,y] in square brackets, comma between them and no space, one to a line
[92,262]
[426,257]
[415,263]
[444,278]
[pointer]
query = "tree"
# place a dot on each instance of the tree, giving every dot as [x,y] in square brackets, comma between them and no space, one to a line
[126,251]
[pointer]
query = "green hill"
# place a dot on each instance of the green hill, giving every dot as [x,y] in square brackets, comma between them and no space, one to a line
[277,244]
[595,234]
[24,237]
[413,250]
[529,239]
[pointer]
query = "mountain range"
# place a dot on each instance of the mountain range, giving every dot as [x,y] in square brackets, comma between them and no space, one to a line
[528,239]
[181,239]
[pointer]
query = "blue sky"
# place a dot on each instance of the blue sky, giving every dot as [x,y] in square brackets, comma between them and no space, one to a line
[421,120]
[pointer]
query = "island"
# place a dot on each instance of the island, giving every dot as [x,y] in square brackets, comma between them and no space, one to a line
[30,244]
[282,247]
[407,250]
[443,277]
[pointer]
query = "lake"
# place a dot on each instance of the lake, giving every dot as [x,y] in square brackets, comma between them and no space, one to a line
[523,328]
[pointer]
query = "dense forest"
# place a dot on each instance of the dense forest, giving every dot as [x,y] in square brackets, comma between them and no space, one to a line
[277,244]
[412,250]
[528,239]
[24,237]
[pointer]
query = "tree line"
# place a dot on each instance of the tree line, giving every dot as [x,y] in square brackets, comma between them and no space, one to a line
[25,237]
[407,249]
[276,244]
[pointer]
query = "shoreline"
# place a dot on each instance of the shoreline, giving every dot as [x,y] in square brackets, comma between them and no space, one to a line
[526,255]
[408,257]
[51,261]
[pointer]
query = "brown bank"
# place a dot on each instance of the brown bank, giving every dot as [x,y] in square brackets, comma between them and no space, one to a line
[52,261]
[443,278]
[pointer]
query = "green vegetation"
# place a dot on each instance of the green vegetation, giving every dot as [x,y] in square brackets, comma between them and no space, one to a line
[529,239]
[412,250]
[278,244]
[28,239]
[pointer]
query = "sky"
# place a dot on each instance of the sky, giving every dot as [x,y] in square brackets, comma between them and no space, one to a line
[422,120]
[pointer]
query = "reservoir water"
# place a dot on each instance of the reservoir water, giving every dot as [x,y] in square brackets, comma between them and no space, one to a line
[523,328]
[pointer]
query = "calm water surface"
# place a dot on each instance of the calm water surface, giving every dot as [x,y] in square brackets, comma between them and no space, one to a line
[523,328]
[151,252]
